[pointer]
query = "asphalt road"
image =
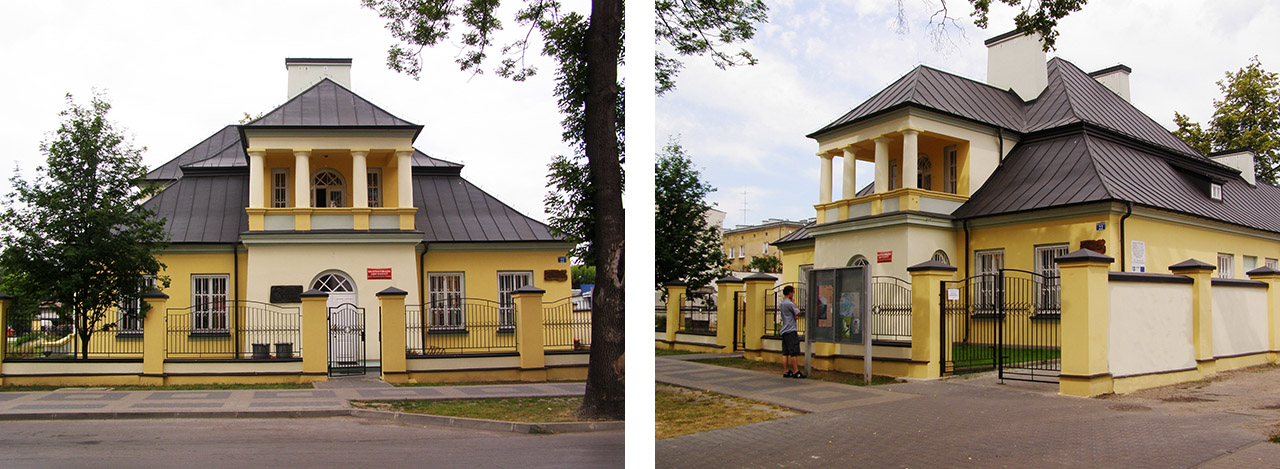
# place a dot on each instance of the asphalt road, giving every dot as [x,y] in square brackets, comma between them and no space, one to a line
[280,443]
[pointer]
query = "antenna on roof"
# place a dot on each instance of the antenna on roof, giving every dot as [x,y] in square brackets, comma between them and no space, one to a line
[744,207]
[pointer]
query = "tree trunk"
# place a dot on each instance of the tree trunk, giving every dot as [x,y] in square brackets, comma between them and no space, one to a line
[605,392]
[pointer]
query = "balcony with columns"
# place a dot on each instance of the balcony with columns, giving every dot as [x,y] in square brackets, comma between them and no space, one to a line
[302,189]
[940,183]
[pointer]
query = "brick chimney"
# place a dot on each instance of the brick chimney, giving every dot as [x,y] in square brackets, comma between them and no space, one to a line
[303,73]
[1116,78]
[1016,61]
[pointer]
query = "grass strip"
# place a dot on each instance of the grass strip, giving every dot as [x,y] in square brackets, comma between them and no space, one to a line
[840,377]
[665,352]
[173,387]
[510,409]
[682,411]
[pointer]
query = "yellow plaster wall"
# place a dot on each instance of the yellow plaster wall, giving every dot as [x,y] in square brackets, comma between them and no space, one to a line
[754,242]
[1169,243]
[1019,241]
[339,160]
[792,259]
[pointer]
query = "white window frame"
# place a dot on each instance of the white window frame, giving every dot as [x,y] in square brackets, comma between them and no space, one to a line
[209,303]
[342,188]
[893,174]
[375,187]
[924,172]
[1250,263]
[508,282]
[1272,263]
[742,252]
[951,173]
[733,252]
[941,256]
[445,307]
[988,262]
[1049,299]
[1226,265]
[1215,191]
[128,320]
[279,187]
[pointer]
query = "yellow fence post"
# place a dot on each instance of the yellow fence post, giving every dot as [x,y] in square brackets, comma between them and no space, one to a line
[926,317]
[394,365]
[757,285]
[1085,317]
[529,328]
[315,335]
[154,331]
[4,326]
[726,316]
[1201,311]
[1272,278]
[675,295]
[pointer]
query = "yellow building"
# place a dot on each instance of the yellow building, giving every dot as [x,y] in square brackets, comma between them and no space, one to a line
[327,193]
[746,241]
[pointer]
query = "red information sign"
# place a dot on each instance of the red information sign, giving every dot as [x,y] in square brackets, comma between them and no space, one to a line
[884,256]
[380,274]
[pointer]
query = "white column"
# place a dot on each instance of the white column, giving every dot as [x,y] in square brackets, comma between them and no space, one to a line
[404,177]
[360,176]
[910,150]
[257,195]
[824,181]
[302,178]
[882,165]
[848,184]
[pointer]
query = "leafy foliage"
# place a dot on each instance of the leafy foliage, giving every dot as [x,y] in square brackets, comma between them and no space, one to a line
[583,275]
[1247,116]
[766,264]
[686,247]
[77,237]
[1036,16]
[703,28]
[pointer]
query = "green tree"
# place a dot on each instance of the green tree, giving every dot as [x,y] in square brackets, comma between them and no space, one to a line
[77,237]
[687,248]
[767,264]
[586,202]
[583,275]
[1247,116]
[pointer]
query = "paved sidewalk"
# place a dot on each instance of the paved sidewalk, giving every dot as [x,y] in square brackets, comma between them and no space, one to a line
[955,423]
[807,395]
[333,397]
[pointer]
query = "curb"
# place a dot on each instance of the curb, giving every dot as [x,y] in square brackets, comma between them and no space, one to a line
[259,414]
[492,425]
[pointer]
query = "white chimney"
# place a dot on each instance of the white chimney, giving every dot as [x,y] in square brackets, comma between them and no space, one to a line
[1016,61]
[1241,159]
[1115,78]
[303,73]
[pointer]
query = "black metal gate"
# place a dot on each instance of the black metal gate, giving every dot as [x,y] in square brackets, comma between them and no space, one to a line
[1006,321]
[346,340]
[739,321]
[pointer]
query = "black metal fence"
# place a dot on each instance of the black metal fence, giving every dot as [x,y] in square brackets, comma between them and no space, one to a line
[774,297]
[233,330]
[890,309]
[1007,321]
[660,311]
[49,336]
[697,315]
[457,326]
[566,325]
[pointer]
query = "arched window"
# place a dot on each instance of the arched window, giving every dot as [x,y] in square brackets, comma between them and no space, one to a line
[327,189]
[924,170]
[858,260]
[329,283]
[941,256]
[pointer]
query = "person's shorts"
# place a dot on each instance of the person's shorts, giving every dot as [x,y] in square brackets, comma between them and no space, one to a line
[791,344]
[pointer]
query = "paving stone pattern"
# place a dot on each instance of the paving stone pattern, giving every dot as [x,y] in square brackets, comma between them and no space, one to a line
[953,424]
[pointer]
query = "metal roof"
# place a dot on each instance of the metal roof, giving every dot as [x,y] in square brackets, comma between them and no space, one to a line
[797,235]
[328,104]
[453,209]
[222,149]
[204,209]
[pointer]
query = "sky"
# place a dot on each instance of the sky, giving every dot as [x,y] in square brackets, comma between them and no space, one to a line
[177,72]
[745,127]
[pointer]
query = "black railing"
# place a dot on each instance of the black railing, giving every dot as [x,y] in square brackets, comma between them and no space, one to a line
[660,311]
[890,309]
[697,316]
[234,330]
[566,326]
[457,326]
[774,297]
[59,343]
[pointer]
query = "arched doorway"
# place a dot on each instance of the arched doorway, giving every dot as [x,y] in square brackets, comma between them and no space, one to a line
[328,189]
[346,322]
[924,173]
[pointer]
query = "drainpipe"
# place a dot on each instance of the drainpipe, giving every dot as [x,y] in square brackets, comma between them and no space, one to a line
[235,291]
[1128,211]
[966,248]
[422,279]
[1000,142]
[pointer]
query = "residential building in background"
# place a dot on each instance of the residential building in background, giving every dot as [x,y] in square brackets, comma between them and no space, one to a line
[744,241]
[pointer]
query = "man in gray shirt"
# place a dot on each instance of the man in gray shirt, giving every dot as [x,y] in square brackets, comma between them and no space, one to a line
[790,337]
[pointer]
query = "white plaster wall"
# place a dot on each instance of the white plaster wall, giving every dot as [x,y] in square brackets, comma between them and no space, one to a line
[1018,63]
[1239,320]
[199,367]
[696,339]
[463,363]
[1150,328]
[910,246]
[64,368]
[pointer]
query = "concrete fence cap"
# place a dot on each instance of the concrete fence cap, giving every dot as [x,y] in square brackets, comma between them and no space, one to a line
[529,289]
[675,283]
[154,293]
[761,276]
[392,291]
[313,293]
[730,279]
[932,265]
[1084,255]
[1192,264]
[1264,270]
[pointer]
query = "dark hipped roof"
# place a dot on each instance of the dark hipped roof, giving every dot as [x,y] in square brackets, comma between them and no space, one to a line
[1090,166]
[220,149]
[204,209]
[797,235]
[456,210]
[328,104]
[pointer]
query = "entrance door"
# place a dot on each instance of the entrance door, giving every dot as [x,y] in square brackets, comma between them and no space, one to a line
[342,343]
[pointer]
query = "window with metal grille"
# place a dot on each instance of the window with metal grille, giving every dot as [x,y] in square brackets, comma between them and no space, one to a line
[1049,300]
[375,188]
[949,184]
[924,172]
[1250,263]
[129,314]
[280,187]
[858,260]
[333,283]
[444,296]
[941,256]
[988,265]
[1226,265]
[509,282]
[327,189]
[1215,191]
[893,174]
[209,301]
[1272,263]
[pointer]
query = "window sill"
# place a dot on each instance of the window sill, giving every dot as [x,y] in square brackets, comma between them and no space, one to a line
[128,334]
[209,335]
[448,331]
[506,329]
